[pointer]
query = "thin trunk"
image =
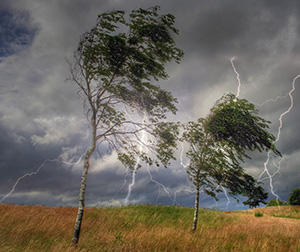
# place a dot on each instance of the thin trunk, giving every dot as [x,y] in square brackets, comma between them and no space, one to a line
[196,208]
[83,186]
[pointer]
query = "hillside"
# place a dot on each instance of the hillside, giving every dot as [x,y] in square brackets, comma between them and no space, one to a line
[149,228]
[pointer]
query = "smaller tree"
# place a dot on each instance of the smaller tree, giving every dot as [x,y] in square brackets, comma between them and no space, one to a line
[294,198]
[220,142]
[212,165]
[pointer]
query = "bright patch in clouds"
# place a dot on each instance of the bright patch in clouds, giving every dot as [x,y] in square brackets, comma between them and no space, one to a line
[57,130]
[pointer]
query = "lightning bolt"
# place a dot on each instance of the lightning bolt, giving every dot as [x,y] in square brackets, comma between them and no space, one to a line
[22,177]
[266,163]
[273,100]
[181,157]
[184,165]
[269,152]
[278,166]
[290,94]
[132,182]
[36,172]
[227,197]
[158,183]
[143,140]
[133,179]
[130,186]
[187,189]
[237,76]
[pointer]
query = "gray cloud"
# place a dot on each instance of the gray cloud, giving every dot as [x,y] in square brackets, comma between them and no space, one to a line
[41,116]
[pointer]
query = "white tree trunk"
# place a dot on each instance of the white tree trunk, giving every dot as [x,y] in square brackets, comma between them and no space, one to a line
[83,187]
[196,209]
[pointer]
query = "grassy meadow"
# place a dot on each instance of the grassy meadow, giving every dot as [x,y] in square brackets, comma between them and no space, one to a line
[149,228]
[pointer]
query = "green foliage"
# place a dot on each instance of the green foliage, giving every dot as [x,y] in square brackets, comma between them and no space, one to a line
[236,121]
[219,143]
[275,202]
[135,51]
[119,237]
[241,183]
[258,214]
[294,198]
[117,65]
[167,133]
[208,158]
[213,165]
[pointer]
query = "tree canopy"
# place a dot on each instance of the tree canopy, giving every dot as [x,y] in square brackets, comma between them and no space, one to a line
[236,121]
[116,67]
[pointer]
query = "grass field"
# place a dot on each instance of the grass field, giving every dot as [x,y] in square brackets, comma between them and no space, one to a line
[149,228]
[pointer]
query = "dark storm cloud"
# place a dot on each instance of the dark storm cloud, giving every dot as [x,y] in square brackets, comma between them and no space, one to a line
[255,32]
[40,114]
[221,27]
[20,156]
[16,31]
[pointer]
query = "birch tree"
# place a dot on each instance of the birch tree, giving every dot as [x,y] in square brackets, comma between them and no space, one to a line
[116,68]
[217,146]
[212,167]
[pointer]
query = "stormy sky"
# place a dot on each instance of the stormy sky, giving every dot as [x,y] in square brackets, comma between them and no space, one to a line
[42,121]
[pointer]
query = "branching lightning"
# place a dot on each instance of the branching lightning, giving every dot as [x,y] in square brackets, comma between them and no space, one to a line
[143,139]
[22,177]
[273,100]
[266,163]
[36,172]
[143,142]
[277,165]
[158,183]
[269,152]
[187,189]
[227,197]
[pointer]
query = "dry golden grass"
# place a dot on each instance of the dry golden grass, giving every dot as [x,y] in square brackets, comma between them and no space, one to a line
[147,228]
[279,211]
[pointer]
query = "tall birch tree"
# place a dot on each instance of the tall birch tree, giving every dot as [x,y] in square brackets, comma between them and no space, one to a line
[116,68]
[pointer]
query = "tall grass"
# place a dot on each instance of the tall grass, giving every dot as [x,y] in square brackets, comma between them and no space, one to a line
[292,212]
[144,228]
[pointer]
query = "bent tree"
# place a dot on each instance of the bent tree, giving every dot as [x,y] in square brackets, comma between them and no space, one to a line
[237,123]
[116,67]
[217,145]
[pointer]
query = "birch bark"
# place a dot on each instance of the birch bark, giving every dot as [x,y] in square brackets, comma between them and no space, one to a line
[86,166]
[196,208]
